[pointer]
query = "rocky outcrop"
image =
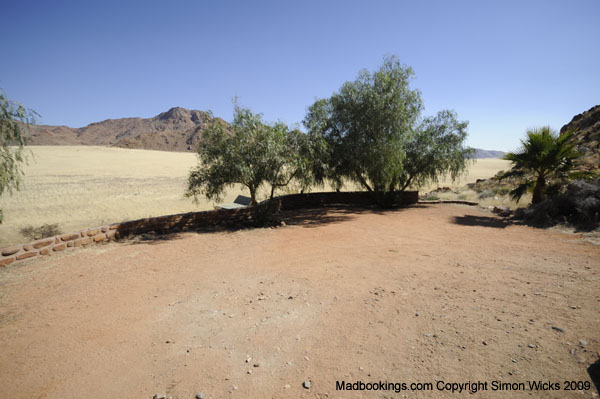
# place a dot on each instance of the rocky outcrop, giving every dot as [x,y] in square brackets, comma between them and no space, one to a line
[586,129]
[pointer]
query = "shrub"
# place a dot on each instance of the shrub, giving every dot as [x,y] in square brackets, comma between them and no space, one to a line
[578,205]
[43,231]
[486,194]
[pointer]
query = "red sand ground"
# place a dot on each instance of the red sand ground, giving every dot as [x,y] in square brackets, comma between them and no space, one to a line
[403,296]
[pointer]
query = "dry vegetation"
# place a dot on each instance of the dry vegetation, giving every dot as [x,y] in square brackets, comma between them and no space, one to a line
[78,187]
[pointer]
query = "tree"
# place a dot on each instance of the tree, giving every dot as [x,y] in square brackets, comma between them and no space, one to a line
[376,138]
[543,155]
[14,120]
[252,153]
[436,149]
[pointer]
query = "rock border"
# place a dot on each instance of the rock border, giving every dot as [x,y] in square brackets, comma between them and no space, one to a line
[183,222]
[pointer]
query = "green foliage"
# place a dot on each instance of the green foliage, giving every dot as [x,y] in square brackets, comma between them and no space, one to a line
[436,149]
[543,155]
[14,118]
[43,231]
[252,153]
[376,138]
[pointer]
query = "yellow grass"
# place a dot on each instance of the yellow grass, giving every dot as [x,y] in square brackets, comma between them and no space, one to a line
[482,169]
[79,187]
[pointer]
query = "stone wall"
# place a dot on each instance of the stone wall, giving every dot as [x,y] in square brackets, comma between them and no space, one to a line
[182,222]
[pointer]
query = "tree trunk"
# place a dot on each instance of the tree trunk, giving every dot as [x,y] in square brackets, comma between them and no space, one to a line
[253,196]
[538,190]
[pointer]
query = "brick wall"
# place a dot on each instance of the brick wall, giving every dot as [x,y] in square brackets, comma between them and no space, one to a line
[183,221]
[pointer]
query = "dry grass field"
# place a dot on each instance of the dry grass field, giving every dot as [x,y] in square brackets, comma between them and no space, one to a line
[78,187]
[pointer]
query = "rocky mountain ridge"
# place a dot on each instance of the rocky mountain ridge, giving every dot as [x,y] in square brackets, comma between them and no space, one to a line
[178,129]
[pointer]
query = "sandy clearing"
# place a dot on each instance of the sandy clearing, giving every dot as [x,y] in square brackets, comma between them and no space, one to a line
[350,295]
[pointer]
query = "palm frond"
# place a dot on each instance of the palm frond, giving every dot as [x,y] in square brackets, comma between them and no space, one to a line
[521,189]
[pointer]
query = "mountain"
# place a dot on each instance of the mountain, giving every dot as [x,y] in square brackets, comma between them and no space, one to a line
[178,129]
[479,153]
[586,128]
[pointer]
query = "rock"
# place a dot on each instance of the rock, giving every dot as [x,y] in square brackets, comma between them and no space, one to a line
[249,372]
[502,211]
[10,251]
[93,232]
[483,342]
[26,255]
[44,251]
[159,396]
[42,243]
[6,261]
[256,364]
[287,386]
[200,395]
[69,237]
[99,237]
[559,329]
[532,346]
[306,384]
[583,343]
[59,247]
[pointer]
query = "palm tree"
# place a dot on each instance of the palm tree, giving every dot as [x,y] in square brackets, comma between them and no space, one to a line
[543,155]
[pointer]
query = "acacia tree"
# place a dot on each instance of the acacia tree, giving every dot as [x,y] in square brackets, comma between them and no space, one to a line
[543,155]
[377,139]
[251,153]
[14,120]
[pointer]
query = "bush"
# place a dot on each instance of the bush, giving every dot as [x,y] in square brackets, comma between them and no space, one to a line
[578,205]
[43,231]
[486,194]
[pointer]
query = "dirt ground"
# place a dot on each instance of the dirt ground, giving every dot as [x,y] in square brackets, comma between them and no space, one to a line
[426,294]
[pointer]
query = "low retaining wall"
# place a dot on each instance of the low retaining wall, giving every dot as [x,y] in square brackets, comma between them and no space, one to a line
[184,221]
[309,200]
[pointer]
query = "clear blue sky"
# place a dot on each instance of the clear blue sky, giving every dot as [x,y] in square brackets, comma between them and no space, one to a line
[502,65]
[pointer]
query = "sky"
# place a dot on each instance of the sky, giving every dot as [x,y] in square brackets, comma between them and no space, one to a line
[504,66]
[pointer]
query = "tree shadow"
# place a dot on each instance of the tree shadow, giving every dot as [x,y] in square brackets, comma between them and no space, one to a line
[158,237]
[594,372]
[302,217]
[314,217]
[484,221]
